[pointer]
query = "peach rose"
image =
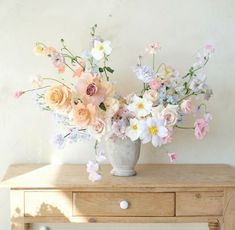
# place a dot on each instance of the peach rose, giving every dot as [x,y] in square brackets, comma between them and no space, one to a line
[97,128]
[187,106]
[58,97]
[83,115]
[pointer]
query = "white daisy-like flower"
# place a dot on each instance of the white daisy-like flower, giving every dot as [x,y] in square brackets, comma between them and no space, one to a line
[140,106]
[152,130]
[100,49]
[133,131]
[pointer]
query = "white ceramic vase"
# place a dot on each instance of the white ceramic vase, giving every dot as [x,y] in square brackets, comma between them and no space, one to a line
[123,155]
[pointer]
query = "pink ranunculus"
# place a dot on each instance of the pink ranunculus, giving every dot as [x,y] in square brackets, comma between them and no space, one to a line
[18,93]
[201,128]
[187,106]
[155,84]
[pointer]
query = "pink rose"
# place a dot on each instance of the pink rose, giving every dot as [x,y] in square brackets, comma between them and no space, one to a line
[19,93]
[155,84]
[187,106]
[201,128]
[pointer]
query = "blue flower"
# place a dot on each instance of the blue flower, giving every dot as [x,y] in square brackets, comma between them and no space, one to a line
[58,141]
[144,73]
[77,135]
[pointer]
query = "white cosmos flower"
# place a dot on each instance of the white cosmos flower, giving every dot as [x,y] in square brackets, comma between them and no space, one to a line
[133,131]
[152,130]
[100,49]
[140,106]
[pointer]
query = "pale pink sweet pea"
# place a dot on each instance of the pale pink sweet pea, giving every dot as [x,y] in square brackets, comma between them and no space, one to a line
[209,49]
[187,106]
[201,128]
[172,157]
[92,169]
[18,93]
[167,139]
[153,47]
[155,84]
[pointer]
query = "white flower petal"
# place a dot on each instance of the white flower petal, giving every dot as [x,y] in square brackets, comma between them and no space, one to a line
[97,54]
[162,131]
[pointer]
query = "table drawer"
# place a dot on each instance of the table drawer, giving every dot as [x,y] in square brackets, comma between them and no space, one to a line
[48,204]
[108,204]
[199,203]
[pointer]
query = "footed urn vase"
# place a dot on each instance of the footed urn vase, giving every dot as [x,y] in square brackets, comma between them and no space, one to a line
[123,155]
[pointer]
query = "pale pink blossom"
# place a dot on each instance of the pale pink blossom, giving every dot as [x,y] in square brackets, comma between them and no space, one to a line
[100,156]
[187,106]
[172,157]
[94,176]
[37,81]
[167,139]
[207,117]
[209,49]
[155,84]
[201,128]
[92,169]
[18,93]
[153,47]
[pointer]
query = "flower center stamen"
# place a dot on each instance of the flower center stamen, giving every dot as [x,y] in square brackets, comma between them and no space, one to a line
[153,130]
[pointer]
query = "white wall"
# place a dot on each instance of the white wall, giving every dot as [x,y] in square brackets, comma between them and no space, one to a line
[182,26]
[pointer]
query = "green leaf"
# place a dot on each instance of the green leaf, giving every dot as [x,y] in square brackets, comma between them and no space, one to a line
[102,106]
[101,70]
[110,70]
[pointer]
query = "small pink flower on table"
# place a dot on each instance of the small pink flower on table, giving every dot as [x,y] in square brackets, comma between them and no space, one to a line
[172,157]
[201,128]
[92,169]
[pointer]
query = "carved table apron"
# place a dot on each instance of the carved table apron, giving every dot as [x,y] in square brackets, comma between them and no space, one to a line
[163,193]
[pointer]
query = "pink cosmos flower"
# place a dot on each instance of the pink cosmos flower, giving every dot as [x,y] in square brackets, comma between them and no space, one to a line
[172,157]
[187,106]
[201,128]
[155,84]
[18,93]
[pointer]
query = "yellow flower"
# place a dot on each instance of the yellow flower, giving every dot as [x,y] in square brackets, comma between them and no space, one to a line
[38,49]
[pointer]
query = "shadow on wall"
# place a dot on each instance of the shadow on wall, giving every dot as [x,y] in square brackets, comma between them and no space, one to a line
[44,210]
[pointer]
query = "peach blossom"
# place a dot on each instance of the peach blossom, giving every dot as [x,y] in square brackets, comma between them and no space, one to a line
[50,51]
[58,97]
[97,128]
[78,72]
[92,90]
[187,106]
[83,115]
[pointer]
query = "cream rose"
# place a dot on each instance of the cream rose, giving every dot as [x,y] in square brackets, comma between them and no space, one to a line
[58,97]
[150,95]
[112,106]
[83,115]
[170,115]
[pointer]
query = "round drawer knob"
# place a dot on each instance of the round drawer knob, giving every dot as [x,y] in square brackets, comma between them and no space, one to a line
[123,204]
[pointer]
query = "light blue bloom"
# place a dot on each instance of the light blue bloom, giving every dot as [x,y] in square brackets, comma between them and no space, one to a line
[77,135]
[144,73]
[58,141]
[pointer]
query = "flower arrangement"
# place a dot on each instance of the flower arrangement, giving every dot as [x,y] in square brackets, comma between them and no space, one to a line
[88,106]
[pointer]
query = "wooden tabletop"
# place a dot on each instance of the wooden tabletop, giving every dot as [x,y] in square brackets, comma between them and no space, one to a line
[149,175]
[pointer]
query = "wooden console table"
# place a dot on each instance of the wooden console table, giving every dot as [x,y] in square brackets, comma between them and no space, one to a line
[158,194]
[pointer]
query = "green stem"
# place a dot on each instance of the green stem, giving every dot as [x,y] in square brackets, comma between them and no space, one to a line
[52,79]
[153,61]
[181,127]
[31,90]
[191,94]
